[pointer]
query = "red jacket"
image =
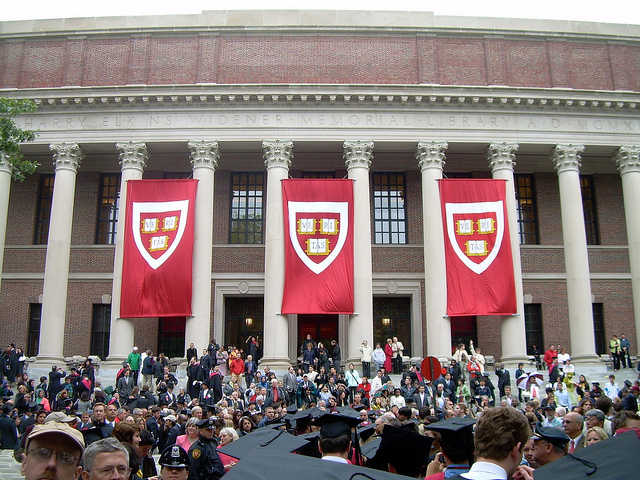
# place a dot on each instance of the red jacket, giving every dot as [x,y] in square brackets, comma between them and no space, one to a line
[548,357]
[237,366]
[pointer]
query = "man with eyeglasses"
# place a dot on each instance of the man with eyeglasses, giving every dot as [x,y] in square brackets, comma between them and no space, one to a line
[53,451]
[105,459]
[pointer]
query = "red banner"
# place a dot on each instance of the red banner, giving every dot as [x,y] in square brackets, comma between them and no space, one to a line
[318,231]
[477,248]
[158,248]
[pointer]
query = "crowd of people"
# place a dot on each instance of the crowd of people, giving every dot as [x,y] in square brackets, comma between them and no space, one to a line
[342,413]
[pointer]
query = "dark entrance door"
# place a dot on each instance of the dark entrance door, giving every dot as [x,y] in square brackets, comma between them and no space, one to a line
[171,336]
[323,328]
[464,329]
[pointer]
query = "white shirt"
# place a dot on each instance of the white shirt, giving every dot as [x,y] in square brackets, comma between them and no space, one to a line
[485,471]
[376,384]
[611,390]
[333,458]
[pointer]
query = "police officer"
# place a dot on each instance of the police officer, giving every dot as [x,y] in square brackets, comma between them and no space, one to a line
[174,463]
[205,462]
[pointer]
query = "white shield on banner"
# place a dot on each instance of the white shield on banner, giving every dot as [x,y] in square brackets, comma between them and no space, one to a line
[139,208]
[496,208]
[341,208]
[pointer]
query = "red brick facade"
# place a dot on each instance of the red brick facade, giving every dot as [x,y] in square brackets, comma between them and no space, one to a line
[546,259]
[160,59]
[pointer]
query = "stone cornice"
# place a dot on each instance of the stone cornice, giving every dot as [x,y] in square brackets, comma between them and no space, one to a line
[277,153]
[204,154]
[316,21]
[502,156]
[431,154]
[357,154]
[397,96]
[66,156]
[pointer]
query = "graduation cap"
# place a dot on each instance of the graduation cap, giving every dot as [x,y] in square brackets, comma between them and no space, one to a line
[613,459]
[366,431]
[269,465]
[456,438]
[263,439]
[405,449]
[299,419]
[334,425]
[370,448]
[349,412]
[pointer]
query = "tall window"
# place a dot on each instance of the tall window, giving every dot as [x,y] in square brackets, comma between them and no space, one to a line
[589,208]
[598,328]
[43,211]
[33,336]
[100,330]
[108,199]
[389,214]
[527,210]
[533,327]
[246,208]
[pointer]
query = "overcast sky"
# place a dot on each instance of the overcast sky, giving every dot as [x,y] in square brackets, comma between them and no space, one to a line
[612,11]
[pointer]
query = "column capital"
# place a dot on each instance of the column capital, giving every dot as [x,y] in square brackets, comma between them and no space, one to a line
[430,155]
[502,156]
[628,159]
[66,156]
[357,154]
[277,153]
[5,164]
[567,158]
[204,154]
[133,155]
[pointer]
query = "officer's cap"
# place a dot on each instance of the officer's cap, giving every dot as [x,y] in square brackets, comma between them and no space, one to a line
[207,422]
[553,435]
[174,456]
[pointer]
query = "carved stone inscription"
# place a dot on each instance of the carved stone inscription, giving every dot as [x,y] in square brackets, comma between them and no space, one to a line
[578,124]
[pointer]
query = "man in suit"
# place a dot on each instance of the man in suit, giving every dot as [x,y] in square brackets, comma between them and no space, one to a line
[275,394]
[573,424]
[290,384]
[504,378]
[519,373]
[8,429]
[421,399]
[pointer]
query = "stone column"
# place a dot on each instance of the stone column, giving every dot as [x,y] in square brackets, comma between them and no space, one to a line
[66,159]
[133,158]
[628,162]
[566,161]
[5,188]
[357,157]
[204,159]
[278,155]
[430,156]
[513,337]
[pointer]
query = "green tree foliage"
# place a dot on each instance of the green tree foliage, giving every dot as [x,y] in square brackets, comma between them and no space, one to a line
[11,136]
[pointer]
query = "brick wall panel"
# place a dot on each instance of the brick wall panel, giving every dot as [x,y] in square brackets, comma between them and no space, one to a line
[173,60]
[207,59]
[552,295]
[10,61]
[15,297]
[238,259]
[610,209]
[80,299]
[405,259]
[427,60]
[85,208]
[527,64]
[542,260]
[625,63]
[489,338]
[588,67]
[138,68]
[22,212]
[496,61]
[222,202]
[73,62]
[106,61]
[461,61]
[318,59]
[414,207]
[617,300]
[24,261]
[43,64]
[548,200]
[92,260]
[559,63]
